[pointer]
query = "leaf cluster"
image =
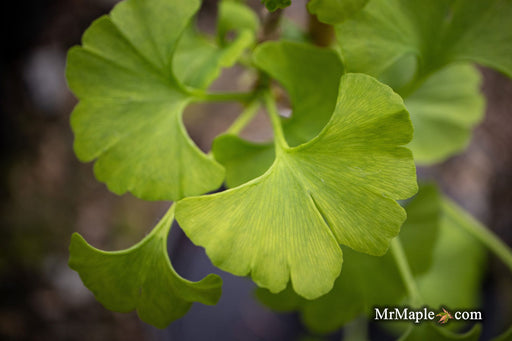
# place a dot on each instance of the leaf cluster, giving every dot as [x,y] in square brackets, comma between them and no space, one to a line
[321,198]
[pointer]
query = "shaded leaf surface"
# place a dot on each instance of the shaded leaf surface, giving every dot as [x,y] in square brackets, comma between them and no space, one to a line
[337,188]
[430,331]
[443,111]
[141,278]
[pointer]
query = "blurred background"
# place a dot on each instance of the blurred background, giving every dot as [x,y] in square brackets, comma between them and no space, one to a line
[46,194]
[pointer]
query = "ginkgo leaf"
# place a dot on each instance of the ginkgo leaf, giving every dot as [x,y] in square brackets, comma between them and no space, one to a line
[199,59]
[430,331]
[301,69]
[368,281]
[339,188]
[443,111]
[335,11]
[437,32]
[129,114]
[141,278]
[273,5]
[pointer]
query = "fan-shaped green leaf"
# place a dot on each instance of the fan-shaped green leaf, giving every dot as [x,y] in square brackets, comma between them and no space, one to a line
[141,278]
[437,32]
[335,11]
[129,114]
[311,77]
[338,188]
[443,111]
[367,281]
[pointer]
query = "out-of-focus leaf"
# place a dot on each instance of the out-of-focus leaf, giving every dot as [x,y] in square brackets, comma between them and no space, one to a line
[436,31]
[443,111]
[235,17]
[339,188]
[335,11]
[506,336]
[198,60]
[453,280]
[141,278]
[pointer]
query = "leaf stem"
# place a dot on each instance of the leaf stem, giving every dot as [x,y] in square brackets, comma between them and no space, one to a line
[279,139]
[480,232]
[244,118]
[405,272]
[224,97]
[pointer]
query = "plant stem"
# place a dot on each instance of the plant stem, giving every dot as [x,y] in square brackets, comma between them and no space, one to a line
[279,139]
[224,97]
[405,272]
[477,230]
[244,118]
[270,25]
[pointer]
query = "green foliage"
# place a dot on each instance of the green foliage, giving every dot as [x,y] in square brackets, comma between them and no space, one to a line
[443,111]
[368,281]
[324,191]
[141,278]
[444,103]
[458,264]
[131,103]
[437,32]
[301,69]
[335,11]
[335,189]
[430,331]
[446,262]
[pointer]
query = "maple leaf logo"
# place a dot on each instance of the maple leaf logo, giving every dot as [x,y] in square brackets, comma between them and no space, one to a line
[444,316]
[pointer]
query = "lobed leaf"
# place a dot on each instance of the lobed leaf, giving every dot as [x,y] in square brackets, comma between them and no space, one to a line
[311,77]
[129,117]
[444,110]
[368,281]
[141,278]
[338,188]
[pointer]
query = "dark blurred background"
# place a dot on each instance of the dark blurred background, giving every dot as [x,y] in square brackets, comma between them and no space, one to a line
[46,194]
